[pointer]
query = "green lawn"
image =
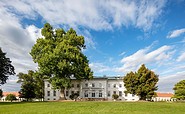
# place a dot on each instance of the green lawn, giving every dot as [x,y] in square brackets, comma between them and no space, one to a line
[92,108]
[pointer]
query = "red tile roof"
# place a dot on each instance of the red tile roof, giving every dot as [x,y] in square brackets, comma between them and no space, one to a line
[164,94]
[15,93]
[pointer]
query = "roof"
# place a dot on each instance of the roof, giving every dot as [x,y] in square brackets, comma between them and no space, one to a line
[15,93]
[164,94]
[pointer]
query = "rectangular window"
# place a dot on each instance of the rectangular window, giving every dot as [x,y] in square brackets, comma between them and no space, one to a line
[48,85]
[126,94]
[67,93]
[93,85]
[48,93]
[100,85]
[86,84]
[54,93]
[133,95]
[78,85]
[120,85]
[108,93]
[100,93]
[114,92]
[72,92]
[93,94]
[72,85]
[120,93]
[78,92]
[86,93]
[108,85]
[114,86]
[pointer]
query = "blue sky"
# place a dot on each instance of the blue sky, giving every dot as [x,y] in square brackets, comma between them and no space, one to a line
[120,35]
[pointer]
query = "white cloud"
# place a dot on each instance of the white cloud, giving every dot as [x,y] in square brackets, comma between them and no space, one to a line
[101,15]
[181,57]
[99,67]
[176,33]
[145,56]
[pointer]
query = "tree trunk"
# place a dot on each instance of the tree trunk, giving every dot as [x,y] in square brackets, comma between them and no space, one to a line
[62,94]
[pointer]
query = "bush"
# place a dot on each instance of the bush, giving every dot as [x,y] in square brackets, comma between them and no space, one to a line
[10,97]
[115,96]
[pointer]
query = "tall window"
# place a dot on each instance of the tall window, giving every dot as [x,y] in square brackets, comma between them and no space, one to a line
[78,92]
[120,93]
[100,85]
[72,85]
[120,85]
[93,93]
[93,85]
[100,93]
[48,85]
[108,85]
[126,94]
[86,84]
[108,93]
[133,95]
[54,93]
[48,93]
[72,92]
[78,85]
[114,92]
[67,93]
[114,86]
[86,93]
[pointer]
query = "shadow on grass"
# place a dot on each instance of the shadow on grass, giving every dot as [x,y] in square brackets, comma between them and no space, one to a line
[15,103]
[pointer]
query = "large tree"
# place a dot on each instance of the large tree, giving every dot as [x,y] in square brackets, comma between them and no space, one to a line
[28,85]
[1,93]
[141,83]
[179,89]
[59,56]
[6,68]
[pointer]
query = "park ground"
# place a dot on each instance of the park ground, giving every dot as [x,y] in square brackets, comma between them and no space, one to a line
[92,108]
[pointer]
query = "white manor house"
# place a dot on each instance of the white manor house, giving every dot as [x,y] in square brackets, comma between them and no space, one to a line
[98,88]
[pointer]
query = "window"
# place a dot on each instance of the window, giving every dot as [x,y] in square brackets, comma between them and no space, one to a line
[54,99]
[120,93]
[48,98]
[114,86]
[78,85]
[100,85]
[133,95]
[48,85]
[78,92]
[67,93]
[86,93]
[100,93]
[86,84]
[48,93]
[114,92]
[120,85]
[93,94]
[93,85]
[126,94]
[108,85]
[72,85]
[54,93]
[72,92]
[108,93]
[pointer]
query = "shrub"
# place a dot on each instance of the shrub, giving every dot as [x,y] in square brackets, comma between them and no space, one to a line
[74,96]
[10,97]
[115,96]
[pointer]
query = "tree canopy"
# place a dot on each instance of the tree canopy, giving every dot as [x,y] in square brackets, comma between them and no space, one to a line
[28,85]
[10,97]
[179,89]
[59,56]
[141,83]
[6,68]
[1,93]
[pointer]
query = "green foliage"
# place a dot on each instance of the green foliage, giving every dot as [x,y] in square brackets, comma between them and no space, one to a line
[142,83]
[32,85]
[59,56]
[180,90]
[115,96]
[6,68]
[1,93]
[10,97]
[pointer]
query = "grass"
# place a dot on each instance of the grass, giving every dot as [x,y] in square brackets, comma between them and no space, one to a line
[91,108]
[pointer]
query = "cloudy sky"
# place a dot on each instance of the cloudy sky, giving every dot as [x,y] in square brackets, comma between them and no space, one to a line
[120,35]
